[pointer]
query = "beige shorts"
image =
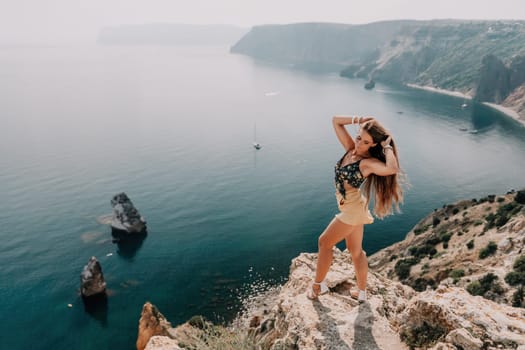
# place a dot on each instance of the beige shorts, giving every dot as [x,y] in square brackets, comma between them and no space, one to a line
[353,208]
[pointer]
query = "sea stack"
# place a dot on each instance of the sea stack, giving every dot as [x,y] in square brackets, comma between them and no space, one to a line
[92,279]
[125,216]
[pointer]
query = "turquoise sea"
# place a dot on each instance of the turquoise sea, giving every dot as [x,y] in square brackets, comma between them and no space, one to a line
[173,128]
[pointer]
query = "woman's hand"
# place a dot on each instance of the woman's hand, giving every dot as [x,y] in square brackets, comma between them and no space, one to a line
[365,119]
[386,143]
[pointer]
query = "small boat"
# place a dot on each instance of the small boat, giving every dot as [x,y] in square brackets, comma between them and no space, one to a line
[464,105]
[473,131]
[256,144]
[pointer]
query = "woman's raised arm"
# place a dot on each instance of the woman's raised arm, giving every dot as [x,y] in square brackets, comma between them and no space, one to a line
[343,136]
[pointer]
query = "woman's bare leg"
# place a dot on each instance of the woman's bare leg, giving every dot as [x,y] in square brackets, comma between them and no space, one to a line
[334,233]
[354,244]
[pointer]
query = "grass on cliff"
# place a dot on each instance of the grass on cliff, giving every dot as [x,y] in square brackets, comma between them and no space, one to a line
[205,335]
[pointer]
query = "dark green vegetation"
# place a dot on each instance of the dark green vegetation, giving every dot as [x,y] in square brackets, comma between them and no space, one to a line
[520,197]
[423,336]
[489,250]
[441,227]
[463,55]
[517,278]
[456,274]
[502,215]
[488,287]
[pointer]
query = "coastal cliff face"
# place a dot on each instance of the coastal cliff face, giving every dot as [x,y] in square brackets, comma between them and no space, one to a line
[502,84]
[478,58]
[451,284]
[319,46]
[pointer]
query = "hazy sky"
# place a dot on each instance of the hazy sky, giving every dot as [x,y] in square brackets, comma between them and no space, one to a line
[28,21]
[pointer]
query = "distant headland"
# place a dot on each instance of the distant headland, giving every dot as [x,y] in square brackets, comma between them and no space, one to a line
[484,60]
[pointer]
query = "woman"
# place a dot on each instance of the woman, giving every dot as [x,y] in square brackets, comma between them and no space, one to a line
[370,159]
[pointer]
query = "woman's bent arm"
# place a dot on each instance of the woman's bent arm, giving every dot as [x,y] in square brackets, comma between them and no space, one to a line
[375,166]
[343,136]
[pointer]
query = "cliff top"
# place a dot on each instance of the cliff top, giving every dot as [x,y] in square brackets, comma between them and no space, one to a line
[429,291]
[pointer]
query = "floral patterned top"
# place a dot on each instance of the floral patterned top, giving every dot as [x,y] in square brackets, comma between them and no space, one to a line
[349,173]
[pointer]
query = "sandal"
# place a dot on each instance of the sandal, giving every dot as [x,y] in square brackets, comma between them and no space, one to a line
[312,294]
[360,295]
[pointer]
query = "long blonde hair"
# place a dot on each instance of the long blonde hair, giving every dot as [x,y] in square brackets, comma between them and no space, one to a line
[386,190]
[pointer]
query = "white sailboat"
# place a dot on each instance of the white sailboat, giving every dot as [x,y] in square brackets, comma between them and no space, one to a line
[256,144]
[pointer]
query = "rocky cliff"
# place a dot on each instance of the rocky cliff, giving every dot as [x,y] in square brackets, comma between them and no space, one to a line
[478,58]
[501,83]
[319,46]
[455,282]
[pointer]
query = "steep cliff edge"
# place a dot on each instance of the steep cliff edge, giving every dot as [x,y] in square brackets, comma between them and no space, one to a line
[446,286]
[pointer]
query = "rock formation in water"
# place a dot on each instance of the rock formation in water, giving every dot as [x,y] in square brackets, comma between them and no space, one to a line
[92,282]
[503,84]
[450,285]
[125,216]
[494,81]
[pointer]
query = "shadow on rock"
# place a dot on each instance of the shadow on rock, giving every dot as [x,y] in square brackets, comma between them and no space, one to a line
[364,322]
[128,243]
[97,307]
[328,326]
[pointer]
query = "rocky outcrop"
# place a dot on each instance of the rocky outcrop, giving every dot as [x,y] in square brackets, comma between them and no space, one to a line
[152,323]
[494,81]
[503,84]
[125,216]
[517,71]
[335,320]
[450,314]
[424,292]
[516,101]
[395,316]
[92,279]
[461,243]
[162,343]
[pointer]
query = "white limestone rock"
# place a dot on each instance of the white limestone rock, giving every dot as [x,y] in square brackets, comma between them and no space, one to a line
[158,342]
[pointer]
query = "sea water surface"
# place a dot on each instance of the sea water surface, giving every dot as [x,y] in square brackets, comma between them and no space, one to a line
[173,128]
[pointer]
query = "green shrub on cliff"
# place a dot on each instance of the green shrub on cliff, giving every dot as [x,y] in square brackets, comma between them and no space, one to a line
[421,284]
[208,336]
[456,274]
[402,267]
[423,335]
[517,277]
[484,285]
[519,264]
[518,298]
[520,197]
[490,249]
